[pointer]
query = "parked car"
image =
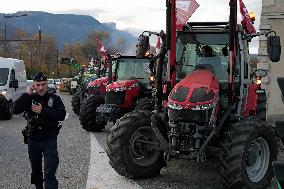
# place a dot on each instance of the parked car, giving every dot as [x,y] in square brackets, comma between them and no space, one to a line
[51,86]
[57,83]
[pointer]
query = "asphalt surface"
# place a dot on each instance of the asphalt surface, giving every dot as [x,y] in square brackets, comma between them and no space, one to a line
[179,174]
[73,148]
[84,163]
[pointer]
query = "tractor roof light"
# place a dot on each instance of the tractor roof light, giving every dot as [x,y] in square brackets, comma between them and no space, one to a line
[152,78]
[149,54]
[252,16]
[4,92]
[258,81]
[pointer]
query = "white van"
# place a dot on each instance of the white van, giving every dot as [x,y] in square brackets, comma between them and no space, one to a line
[13,83]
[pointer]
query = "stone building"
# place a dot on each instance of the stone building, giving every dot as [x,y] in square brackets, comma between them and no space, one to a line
[272,19]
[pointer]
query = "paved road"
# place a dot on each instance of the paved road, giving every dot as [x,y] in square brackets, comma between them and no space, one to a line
[180,174]
[84,163]
[74,151]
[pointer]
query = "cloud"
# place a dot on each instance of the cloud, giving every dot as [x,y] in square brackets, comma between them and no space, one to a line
[133,15]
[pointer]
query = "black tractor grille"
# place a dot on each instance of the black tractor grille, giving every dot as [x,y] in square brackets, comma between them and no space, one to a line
[190,116]
[113,97]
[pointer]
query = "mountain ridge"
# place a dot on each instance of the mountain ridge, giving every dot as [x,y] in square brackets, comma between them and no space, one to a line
[67,28]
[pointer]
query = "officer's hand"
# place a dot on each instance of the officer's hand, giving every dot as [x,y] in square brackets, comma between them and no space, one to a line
[30,89]
[37,108]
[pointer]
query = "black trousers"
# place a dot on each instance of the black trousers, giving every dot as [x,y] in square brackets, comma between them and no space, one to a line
[47,148]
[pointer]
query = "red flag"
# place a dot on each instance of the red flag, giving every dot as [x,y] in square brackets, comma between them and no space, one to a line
[184,10]
[158,45]
[101,48]
[246,22]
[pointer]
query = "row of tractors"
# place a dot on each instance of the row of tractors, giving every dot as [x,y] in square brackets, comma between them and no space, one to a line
[193,107]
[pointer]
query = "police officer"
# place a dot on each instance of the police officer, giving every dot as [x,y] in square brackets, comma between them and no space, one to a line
[42,111]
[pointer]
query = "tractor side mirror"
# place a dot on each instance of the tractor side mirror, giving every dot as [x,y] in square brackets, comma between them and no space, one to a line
[142,46]
[274,48]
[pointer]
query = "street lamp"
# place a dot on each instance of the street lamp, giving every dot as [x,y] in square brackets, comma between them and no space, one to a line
[7,17]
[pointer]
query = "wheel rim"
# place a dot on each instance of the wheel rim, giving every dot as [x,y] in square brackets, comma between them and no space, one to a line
[142,153]
[258,159]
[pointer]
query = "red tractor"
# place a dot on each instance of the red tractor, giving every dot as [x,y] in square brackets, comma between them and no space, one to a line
[130,90]
[207,108]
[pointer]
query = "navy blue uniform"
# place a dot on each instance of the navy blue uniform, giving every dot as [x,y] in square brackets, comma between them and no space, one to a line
[42,131]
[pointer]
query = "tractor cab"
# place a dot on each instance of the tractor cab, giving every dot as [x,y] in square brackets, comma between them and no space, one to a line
[132,82]
[131,72]
[190,57]
[202,67]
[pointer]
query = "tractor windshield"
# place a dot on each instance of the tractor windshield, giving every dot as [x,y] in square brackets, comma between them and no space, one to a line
[190,54]
[133,69]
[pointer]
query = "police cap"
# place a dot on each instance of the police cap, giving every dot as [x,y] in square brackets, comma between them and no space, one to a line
[39,77]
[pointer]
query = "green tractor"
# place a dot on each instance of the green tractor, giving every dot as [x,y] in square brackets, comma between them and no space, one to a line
[83,86]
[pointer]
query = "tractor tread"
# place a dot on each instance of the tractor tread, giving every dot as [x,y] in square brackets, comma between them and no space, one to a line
[88,114]
[118,146]
[234,146]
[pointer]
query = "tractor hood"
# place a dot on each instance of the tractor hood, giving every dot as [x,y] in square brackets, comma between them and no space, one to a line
[123,85]
[97,82]
[199,88]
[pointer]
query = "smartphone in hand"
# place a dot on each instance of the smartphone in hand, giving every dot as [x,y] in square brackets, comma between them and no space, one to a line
[34,102]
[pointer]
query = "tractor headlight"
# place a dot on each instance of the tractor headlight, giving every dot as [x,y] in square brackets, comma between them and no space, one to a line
[152,78]
[258,81]
[203,106]
[4,92]
[175,106]
[107,89]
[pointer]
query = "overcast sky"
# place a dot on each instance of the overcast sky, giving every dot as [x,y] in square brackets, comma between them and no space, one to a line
[132,15]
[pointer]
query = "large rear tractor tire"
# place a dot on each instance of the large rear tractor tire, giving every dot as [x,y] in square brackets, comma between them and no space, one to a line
[76,103]
[130,146]
[145,104]
[249,148]
[88,114]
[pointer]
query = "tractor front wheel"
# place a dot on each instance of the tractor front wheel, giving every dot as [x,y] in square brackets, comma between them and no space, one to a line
[76,102]
[249,148]
[88,114]
[133,147]
[145,104]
